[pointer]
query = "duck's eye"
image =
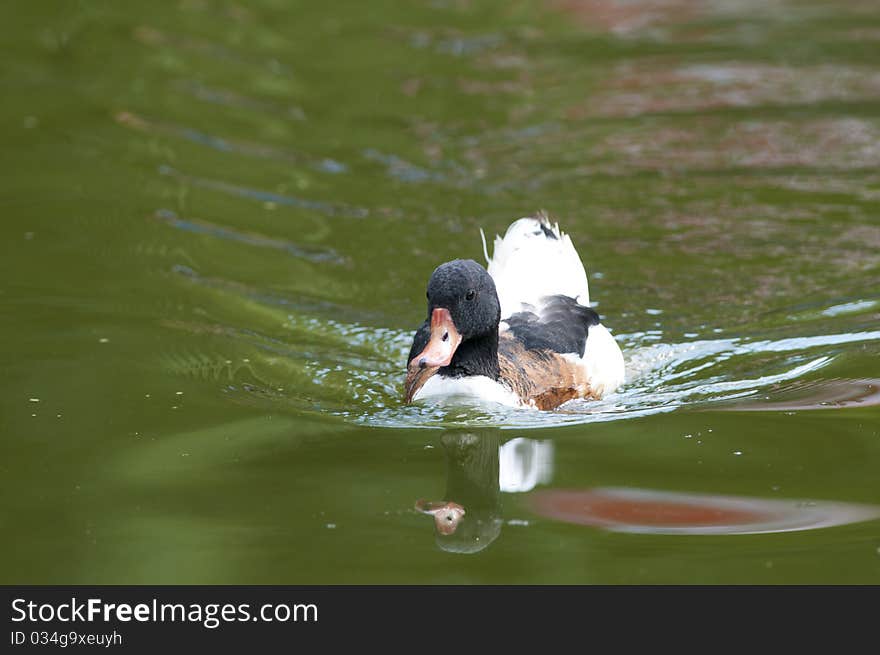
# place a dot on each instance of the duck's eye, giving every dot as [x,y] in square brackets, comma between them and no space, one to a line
[470,295]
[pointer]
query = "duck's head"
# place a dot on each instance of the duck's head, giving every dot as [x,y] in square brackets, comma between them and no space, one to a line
[463,307]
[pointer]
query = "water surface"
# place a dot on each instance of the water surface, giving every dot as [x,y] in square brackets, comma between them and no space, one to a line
[218,220]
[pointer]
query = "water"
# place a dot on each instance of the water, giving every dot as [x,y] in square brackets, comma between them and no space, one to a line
[218,221]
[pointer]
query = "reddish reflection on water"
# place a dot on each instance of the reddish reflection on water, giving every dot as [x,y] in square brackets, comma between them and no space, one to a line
[663,512]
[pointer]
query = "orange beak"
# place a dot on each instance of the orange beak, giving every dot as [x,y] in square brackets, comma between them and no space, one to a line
[441,347]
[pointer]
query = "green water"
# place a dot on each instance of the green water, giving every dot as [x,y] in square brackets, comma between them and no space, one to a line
[218,220]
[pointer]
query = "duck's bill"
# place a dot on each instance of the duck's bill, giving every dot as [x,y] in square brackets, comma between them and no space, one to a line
[415,380]
[438,353]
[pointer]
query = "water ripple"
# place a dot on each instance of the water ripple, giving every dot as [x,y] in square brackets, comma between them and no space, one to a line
[223,144]
[330,209]
[198,226]
[227,98]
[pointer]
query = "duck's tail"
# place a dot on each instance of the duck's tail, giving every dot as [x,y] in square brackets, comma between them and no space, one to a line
[535,259]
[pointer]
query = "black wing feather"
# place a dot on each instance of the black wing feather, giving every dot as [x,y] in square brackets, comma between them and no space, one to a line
[561,327]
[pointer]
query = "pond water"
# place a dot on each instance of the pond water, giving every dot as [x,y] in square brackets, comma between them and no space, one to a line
[218,220]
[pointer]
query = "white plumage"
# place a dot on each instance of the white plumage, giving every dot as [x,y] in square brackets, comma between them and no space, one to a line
[528,265]
[478,386]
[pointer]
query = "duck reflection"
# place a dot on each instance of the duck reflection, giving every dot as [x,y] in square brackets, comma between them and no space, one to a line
[478,469]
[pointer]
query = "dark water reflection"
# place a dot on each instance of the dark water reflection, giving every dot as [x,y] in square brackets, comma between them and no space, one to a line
[218,221]
[479,467]
[469,518]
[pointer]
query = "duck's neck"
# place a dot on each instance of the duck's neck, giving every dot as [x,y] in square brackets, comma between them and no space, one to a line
[476,356]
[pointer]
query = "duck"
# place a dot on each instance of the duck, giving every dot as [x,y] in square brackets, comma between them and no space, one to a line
[520,332]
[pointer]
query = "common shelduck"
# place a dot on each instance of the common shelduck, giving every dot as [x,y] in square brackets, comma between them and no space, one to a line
[519,332]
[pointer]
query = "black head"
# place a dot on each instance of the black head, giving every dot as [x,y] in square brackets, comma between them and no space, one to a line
[460,335]
[467,290]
